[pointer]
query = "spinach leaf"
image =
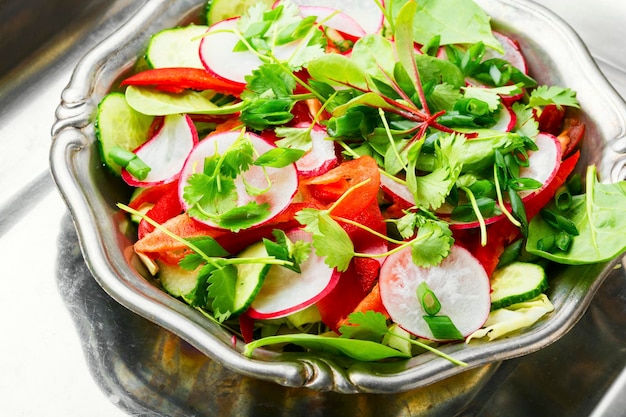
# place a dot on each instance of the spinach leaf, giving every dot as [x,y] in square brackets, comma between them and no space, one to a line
[599,216]
[362,350]
[469,23]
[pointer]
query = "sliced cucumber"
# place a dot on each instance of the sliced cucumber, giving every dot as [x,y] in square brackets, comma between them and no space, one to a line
[176,47]
[219,10]
[249,277]
[515,283]
[177,281]
[118,124]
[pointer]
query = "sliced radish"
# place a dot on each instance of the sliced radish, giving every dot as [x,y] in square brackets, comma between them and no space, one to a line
[459,282]
[322,156]
[334,19]
[512,52]
[506,120]
[399,192]
[365,13]
[218,57]
[284,181]
[165,153]
[543,164]
[285,292]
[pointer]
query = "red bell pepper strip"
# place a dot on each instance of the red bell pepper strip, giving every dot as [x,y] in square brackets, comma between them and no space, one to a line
[165,208]
[180,79]
[551,119]
[328,187]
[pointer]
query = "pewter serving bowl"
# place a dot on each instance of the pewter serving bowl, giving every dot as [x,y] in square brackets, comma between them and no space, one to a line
[555,55]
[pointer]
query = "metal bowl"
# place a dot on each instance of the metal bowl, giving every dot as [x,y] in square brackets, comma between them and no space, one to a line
[555,55]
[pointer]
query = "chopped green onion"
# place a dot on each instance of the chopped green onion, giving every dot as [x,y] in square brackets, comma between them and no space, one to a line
[563,198]
[121,156]
[546,244]
[129,160]
[563,240]
[442,328]
[428,299]
[559,222]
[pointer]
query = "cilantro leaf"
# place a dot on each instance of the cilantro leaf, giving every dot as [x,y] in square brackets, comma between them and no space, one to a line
[222,284]
[369,325]
[526,123]
[544,95]
[294,138]
[430,190]
[432,244]
[209,196]
[330,240]
[284,249]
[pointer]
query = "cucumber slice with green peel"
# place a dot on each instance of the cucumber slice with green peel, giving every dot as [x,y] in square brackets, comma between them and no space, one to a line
[250,277]
[517,282]
[119,125]
[177,281]
[176,47]
[219,10]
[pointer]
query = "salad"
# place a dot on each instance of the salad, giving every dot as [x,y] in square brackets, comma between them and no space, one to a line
[368,181]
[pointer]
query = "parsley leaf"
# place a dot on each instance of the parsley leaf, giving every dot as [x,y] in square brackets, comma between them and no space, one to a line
[432,244]
[430,190]
[330,240]
[294,138]
[283,248]
[544,95]
[367,325]
[222,287]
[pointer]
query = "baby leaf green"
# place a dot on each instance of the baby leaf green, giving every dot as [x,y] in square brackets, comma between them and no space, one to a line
[600,218]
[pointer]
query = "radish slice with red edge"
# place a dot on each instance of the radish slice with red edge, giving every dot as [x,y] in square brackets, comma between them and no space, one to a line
[543,164]
[366,14]
[512,52]
[399,192]
[506,120]
[460,283]
[218,57]
[165,153]
[284,181]
[334,19]
[321,158]
[285,292]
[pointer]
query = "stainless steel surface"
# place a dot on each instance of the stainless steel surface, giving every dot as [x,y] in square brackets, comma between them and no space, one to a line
[46,288]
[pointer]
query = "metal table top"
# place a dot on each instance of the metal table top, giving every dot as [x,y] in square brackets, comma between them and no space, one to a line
[61,331]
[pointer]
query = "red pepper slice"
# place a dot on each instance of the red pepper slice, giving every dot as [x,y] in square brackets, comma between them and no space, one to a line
[165,208]
[328,187]
[180,79]
[551,119]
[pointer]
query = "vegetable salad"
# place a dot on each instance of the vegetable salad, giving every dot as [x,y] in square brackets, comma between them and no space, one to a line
[368,180]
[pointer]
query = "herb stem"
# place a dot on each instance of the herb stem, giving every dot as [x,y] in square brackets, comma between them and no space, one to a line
[431,349]
[345,195]
[479,215]
[506,212]
[174,236]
